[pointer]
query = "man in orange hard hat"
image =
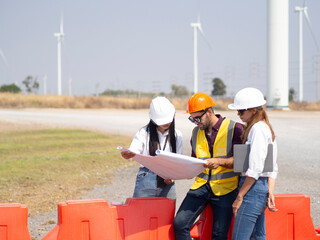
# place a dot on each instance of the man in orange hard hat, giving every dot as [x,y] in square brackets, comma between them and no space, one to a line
[212,140]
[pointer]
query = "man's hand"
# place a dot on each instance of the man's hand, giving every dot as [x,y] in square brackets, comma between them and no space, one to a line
[212,163]
[127,154]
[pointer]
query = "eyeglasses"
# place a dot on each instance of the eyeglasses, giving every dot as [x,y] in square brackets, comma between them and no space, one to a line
[197,119]
[241,111]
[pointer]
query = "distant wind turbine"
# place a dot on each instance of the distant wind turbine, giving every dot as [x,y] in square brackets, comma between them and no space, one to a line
[303,11]
[59,36]
[196,26]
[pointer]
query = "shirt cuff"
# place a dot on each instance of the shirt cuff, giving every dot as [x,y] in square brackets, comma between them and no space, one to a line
[273,175]
[253,174]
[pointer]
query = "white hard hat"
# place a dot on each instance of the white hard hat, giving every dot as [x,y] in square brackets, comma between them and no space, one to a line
[247,98]
[161,111]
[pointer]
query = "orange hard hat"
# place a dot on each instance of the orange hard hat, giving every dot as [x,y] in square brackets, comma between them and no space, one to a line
[199,102]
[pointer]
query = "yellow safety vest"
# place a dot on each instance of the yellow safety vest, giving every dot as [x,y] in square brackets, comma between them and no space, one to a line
[222,180]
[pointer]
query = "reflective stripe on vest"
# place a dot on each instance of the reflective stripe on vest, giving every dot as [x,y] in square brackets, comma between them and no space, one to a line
[217,176]
[222,180]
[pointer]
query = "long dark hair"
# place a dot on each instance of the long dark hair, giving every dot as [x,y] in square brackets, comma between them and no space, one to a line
[260,115]
[154,139]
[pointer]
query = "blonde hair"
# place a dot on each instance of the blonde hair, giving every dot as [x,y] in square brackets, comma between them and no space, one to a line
[260,115]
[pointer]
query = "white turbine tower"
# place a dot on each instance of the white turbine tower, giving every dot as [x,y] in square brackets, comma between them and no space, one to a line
[277,53]
[303,11]
[59,36]
[196,26]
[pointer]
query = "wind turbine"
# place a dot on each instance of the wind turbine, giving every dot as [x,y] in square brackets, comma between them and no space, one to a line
[59,36]
[303,11]
[196,26]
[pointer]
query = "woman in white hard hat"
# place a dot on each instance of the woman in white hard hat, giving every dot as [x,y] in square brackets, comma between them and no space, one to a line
[256,187]
[160,133]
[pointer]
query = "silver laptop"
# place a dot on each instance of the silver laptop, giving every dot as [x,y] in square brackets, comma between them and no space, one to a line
[241,158]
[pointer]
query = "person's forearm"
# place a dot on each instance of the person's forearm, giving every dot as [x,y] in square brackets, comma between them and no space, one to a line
[226,162]
[213,163]
[248,182]
[271,198]
[271,184]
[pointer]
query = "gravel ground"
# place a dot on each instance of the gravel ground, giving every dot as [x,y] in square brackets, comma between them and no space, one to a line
[119,190]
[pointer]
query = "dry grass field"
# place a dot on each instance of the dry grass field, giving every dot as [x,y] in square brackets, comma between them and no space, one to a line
[41,167]
[9,100]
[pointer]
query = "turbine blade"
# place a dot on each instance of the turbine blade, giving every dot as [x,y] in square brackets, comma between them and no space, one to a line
[204,36]
[3,57]
[61,25]
[199,11]
[310,27]
[61,29]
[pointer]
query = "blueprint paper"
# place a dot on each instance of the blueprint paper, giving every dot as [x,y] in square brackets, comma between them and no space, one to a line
[170,165]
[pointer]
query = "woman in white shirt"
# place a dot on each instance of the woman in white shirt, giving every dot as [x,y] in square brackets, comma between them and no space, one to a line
[160,133]
[256,188]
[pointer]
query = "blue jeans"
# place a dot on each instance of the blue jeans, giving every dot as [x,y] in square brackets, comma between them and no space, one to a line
[146,186]
[250,220]
[193,205]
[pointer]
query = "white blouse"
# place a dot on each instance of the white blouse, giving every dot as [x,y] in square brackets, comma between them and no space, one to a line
[259,137]
[140,142]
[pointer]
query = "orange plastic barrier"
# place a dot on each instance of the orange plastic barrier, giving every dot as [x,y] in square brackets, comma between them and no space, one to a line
[202,229]
[137,219]
[14,222]
[292,221]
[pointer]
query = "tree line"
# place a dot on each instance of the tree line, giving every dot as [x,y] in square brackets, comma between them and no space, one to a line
[31,85]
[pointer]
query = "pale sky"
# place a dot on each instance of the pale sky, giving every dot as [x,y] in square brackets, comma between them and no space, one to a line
[147,45]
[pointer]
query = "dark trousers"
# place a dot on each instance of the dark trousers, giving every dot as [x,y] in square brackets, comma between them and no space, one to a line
[193,205]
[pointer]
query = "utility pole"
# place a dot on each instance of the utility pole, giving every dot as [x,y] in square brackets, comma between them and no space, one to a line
[207,77]
[189,79]
[156,86]
[317,57]
[70,86]
[45,84]
[229,75]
